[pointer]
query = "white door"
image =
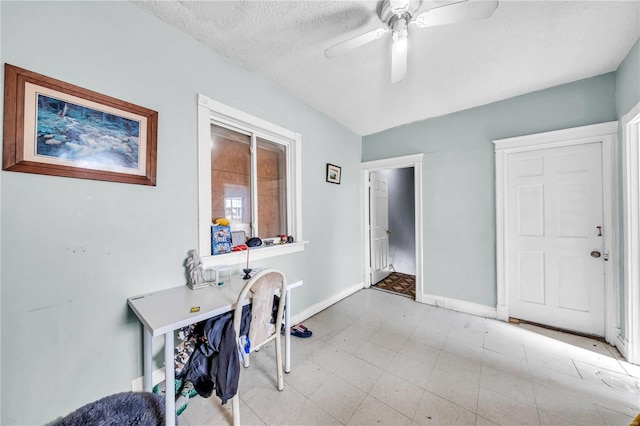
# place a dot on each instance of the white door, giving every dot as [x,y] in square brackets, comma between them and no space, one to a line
[379,226]
[555,271]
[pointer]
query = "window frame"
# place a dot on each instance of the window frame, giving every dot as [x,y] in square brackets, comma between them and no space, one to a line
[213,112]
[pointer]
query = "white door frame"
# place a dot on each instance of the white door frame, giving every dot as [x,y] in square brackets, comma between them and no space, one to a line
[606,133]
[630,344]
[414,161]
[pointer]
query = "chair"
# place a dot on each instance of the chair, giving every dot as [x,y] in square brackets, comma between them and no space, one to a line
[262,286]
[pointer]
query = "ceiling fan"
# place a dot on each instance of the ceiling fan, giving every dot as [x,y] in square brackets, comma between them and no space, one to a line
[399,15]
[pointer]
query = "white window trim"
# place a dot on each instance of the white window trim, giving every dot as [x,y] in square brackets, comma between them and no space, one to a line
[212,111]
[630,123]
[606,133]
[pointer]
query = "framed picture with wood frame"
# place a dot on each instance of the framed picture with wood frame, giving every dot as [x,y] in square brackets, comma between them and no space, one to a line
[333,173]
[55,128]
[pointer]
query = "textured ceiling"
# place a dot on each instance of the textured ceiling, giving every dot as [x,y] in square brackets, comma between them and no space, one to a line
[524,46]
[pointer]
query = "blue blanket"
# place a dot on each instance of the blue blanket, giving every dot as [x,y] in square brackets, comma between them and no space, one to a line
[121,409]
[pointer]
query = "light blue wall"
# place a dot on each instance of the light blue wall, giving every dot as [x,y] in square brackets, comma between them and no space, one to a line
[459,176]
[628,81]
[73,250]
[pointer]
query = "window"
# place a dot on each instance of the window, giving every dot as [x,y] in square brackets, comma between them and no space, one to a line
[249,173]
[233,189]
[233,209]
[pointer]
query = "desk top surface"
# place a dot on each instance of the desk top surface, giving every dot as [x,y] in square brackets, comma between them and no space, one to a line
[167,310]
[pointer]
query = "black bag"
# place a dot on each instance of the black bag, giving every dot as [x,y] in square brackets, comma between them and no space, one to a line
[254,242]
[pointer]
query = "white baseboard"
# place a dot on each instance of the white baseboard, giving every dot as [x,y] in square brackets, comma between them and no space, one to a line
[320,306]
[622,344]
[429,299]
[460,306]
[137,385]
[502,313]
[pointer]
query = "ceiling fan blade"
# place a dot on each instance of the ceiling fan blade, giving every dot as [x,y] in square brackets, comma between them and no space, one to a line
[399,60]
[463,11]
[354,43]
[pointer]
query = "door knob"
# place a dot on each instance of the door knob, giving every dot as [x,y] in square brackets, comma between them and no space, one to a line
[595,254]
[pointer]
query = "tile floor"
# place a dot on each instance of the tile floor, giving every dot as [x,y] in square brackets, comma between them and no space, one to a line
[380,359]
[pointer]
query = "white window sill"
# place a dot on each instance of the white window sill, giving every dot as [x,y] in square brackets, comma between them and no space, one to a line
[255,253]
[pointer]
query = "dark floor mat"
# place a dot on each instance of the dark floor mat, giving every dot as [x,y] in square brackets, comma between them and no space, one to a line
[397,282]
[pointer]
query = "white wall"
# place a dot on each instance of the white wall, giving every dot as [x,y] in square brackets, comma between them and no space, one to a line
[73,250]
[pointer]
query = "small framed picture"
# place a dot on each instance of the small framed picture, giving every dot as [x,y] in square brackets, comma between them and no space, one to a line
[333,173]
[238,238]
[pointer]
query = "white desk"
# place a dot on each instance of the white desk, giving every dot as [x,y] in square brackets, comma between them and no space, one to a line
[163,312]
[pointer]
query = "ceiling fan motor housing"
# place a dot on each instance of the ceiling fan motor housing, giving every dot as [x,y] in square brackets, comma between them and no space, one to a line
[399,26]
[388,16]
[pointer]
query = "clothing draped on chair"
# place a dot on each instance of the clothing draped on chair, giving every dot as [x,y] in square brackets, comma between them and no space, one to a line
[214,364]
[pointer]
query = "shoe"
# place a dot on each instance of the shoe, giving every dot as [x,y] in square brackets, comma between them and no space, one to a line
[301,331]
[183,398]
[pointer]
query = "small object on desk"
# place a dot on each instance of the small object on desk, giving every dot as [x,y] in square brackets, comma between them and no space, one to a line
[195,309]
[218,275]
[246,271]
[196,271]
[198,286]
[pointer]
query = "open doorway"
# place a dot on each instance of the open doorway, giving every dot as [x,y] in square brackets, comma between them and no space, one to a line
[393,225]
[399,275]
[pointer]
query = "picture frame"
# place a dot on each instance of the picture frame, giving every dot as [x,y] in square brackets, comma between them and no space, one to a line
[59,129]
[334,173]
[238,238]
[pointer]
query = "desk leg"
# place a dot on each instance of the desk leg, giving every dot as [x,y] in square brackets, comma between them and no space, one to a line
[287,334]
[147,360]
[169,372]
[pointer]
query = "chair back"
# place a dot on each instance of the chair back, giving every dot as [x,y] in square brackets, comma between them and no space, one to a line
[262,286]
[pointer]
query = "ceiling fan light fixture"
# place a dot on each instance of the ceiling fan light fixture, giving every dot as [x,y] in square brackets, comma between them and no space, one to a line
[399,50]
[400,43]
